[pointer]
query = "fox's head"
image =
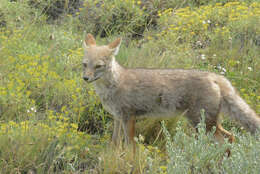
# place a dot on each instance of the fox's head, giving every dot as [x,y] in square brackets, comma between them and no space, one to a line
[97,59]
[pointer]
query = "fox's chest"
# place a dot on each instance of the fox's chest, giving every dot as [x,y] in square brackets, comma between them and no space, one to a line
[108,97]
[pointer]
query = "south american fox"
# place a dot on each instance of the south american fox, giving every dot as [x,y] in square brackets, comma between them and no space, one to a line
[132,93]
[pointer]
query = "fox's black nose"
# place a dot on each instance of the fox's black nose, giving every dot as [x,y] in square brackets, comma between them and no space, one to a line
[85,78]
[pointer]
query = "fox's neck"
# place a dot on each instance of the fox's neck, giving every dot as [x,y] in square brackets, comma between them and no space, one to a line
[115,70]
[112,76]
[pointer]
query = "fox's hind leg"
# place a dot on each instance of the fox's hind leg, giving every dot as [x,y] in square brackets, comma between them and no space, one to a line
[211,120]
[227,134]
[220,133]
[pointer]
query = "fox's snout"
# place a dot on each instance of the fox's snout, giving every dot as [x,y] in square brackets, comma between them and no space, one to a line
[90,77]
[85,78]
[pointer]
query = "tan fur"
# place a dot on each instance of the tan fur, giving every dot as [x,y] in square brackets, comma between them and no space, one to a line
[129,94]
[90,40]
[114,44]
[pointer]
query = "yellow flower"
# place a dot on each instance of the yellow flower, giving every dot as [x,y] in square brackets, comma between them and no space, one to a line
[163,168]
[74,126]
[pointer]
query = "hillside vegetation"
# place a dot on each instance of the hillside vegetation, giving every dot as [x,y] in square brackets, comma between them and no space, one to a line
[51,121]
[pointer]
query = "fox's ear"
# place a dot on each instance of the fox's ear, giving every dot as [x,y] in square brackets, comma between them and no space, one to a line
[115,46]
[90,40]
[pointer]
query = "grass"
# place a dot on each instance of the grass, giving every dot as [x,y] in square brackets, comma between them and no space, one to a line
[51,121]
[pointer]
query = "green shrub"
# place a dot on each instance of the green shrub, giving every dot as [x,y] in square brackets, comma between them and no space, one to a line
[54,9]
[109,17]
[200,153]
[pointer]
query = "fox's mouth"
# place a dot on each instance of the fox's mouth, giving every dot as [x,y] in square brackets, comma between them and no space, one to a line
[91,80]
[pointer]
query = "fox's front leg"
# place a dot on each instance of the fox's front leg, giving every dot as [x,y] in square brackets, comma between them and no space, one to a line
[116,132]
[129,131]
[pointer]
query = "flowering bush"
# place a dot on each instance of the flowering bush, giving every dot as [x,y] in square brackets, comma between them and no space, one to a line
[210,22]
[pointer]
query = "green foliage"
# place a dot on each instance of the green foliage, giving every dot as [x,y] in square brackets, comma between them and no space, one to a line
[108,17]
[54,9]
[199,154]
[45,147]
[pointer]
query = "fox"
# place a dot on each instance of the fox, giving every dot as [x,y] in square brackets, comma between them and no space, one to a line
[132,93]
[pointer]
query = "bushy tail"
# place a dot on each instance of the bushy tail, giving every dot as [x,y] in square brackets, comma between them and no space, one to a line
[234,106]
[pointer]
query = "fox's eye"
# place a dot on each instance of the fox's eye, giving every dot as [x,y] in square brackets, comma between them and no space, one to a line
[98,66]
